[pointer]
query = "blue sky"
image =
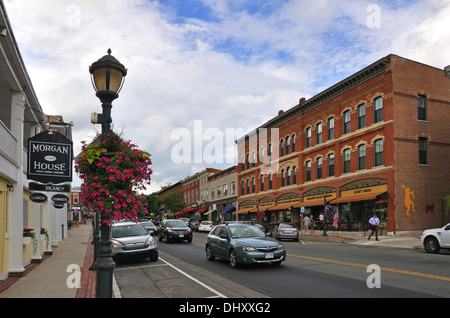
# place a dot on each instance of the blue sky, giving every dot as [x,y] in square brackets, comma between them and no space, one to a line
[228,65]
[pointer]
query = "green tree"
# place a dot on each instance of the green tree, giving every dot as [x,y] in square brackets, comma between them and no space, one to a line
[173,201]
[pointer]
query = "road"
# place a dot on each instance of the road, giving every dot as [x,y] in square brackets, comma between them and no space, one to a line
[312,269]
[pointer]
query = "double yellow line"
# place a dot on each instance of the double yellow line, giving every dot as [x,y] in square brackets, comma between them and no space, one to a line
[387,269]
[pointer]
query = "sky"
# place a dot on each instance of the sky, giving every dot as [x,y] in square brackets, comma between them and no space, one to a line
[202,73]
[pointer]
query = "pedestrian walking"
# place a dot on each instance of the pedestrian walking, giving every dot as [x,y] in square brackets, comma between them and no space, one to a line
[306,222]
[321,217]
[373,223]
[313,223]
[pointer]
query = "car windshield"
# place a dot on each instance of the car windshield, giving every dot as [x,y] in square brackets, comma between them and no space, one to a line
[245,231]
[148,224]
[177,223]
[128,230]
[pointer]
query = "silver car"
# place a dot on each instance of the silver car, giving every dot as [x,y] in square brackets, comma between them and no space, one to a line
[132,239]
[287,231]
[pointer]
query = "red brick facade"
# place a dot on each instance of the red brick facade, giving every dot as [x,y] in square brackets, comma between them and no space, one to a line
[375,161]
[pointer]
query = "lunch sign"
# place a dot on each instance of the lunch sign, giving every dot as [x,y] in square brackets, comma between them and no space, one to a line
[49,158]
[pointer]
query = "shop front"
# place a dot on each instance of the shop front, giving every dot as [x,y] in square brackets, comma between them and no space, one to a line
[356,205]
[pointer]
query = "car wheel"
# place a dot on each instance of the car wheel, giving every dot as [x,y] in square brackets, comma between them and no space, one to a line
[431,245]
[189,240]
[233,259]
[209,255]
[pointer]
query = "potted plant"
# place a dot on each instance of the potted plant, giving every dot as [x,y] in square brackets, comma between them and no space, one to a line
[113,171]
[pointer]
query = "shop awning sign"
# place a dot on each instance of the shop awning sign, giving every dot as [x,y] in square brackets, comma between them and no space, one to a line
[50,158]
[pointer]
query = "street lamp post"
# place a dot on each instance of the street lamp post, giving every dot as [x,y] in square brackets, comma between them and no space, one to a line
[324,213]
[107,78]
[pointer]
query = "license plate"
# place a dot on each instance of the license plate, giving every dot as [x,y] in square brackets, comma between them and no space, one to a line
[181,235]
[268,255]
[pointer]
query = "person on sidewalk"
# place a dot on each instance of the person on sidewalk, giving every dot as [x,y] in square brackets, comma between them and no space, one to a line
[373,223]
[306,222]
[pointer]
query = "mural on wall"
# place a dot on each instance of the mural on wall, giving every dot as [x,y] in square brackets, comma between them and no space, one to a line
[429,208]
[409,199]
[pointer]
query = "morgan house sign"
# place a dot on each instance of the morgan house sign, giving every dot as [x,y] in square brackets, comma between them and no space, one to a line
[49,158]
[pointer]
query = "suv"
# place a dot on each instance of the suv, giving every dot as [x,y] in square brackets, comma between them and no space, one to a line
[175,230]
[132,239]
[243,244]
[435,239]
[194,224]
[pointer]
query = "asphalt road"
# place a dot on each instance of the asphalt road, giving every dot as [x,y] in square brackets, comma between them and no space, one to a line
[318,270]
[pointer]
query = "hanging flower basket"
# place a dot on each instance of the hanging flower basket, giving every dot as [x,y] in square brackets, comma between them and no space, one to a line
[113,171]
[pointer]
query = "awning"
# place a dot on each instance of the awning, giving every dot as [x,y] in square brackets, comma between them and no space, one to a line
[210,211]
[360,197]
[245,211]
[202,210]
[188,209]
[230,209]
[285,206]
[310,203]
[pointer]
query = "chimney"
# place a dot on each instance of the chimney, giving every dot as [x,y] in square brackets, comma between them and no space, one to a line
[280,112]
[302,100]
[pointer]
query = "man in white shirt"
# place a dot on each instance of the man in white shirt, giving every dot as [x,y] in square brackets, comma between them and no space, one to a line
[374,221]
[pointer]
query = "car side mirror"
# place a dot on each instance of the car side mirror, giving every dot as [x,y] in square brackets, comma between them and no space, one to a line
[223,236]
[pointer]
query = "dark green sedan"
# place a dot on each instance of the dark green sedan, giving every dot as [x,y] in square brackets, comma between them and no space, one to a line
[243,244]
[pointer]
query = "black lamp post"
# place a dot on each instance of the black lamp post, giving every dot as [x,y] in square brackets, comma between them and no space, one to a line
[324,213]
[107,77]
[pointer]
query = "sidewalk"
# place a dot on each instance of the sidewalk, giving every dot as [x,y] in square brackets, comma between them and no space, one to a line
[48,279]
[400,240]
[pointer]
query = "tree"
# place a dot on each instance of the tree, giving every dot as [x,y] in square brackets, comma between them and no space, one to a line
[173,201]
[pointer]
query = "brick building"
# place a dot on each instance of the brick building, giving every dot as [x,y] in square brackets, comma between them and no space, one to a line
[378,141]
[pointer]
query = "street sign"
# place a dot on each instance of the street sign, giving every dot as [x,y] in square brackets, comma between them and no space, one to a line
[49,158]
[38,197]
[49,187]
[60,199]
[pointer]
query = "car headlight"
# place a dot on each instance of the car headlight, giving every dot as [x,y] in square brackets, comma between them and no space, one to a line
[149,241]
[280,247]
[117,244]
[189,230]
[248,248]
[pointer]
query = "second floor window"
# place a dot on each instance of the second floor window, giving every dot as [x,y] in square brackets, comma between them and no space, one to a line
[308,137]
[378,152]
[361,157]
[319,168]
[423,160]
[308,170]
[331,165]
[346,160]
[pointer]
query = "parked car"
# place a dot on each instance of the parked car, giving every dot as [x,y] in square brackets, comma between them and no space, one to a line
[243,244]
[150,227]
[174,230]
[132,239]
[205,226]
[185,220]
[435,239]
[263,228]
[194,224]
[286,231]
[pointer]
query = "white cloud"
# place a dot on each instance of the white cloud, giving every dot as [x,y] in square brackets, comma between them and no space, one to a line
[234,69]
